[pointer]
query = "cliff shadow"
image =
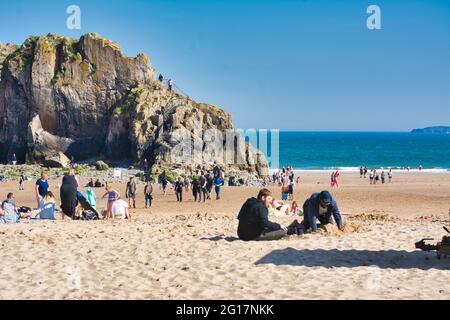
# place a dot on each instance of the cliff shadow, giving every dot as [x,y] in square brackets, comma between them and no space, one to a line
[335,258]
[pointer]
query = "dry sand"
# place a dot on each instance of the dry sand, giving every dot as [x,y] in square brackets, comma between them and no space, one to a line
[190,250]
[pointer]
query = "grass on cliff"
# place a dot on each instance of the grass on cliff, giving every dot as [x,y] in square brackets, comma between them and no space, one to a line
[128,105]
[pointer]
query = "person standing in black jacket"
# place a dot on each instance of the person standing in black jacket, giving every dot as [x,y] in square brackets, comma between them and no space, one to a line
[254,221]
[202,184]
[195,189]
[179,184]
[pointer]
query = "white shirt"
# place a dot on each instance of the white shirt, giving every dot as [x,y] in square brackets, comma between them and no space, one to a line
[119,209]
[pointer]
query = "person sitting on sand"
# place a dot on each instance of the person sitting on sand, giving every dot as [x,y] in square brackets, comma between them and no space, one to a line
[8,212]
[98,184]
[47,207]
[120,210]
[254,221]
[90,184]
[113,195]
[295,209]
[320,206]
[278,206]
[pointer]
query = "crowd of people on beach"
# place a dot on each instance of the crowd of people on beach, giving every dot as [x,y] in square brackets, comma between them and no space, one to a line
[79,206]
[201,185]
[374,176]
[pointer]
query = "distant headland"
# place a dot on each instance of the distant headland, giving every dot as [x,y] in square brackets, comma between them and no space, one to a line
[435,130]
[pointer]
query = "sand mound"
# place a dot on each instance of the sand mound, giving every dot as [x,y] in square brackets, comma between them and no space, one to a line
[332,230]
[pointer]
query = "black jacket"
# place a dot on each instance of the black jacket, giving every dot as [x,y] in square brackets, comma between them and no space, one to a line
[311,212]
[254,220]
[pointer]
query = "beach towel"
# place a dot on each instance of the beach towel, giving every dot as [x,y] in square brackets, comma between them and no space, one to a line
[91,197]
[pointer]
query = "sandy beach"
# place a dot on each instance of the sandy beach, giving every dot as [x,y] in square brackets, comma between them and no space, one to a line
[191,250]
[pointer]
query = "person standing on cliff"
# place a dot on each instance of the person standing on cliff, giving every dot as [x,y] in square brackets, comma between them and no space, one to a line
[170,84]
[160,78]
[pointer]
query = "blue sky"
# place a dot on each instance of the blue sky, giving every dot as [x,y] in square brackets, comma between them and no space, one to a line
[291,65]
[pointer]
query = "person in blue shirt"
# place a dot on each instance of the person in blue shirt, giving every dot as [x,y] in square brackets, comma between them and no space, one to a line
[218,183]
[320,206]
[41,188]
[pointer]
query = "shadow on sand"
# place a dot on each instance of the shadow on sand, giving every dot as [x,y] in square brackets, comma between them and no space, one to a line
[389,259]
[219,238]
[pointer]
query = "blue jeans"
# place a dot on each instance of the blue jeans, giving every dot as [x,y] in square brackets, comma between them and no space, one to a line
[217,189]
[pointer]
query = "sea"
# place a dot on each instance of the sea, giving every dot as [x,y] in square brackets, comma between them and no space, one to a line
[347,151]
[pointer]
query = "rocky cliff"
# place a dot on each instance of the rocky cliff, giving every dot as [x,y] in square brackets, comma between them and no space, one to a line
[85,98]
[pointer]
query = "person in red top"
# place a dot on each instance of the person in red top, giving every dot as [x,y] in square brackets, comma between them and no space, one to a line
[335,182]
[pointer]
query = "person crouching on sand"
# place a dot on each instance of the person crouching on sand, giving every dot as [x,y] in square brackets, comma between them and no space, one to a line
[120,210]
[320,206]
[113,195]
[254,221]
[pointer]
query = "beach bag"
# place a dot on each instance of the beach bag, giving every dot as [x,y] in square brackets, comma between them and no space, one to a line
[24,209]
[89,215]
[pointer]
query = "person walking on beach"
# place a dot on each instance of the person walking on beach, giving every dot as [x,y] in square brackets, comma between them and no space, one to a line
[41,188]
[148,194]
[291,188]
[371,176]
[130,192]
[365,172]
[195,189]
[202,184]
[187,184]
[145,166]
[179,185]
[376,177]
[390,175]
[320,206]
[164,182]
[209,185]
[22,182]
[335,180]
[254,221]
[112,195]
[14,160]
[361,172]
[218,183]
[383,177]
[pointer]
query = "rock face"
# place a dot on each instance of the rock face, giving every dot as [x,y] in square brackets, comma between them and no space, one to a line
[5,50]
[84,98]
